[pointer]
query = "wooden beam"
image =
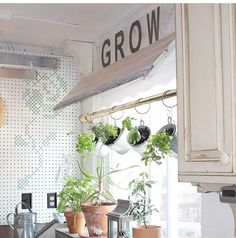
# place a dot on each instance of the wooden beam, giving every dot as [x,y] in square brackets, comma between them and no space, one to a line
[125,70]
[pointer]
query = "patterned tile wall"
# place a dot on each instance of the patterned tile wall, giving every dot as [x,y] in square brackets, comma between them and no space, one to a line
[35,148]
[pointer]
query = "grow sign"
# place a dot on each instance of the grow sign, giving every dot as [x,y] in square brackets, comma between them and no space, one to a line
[135,35]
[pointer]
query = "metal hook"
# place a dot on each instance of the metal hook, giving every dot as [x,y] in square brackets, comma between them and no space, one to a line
[116,119]
[167,106]
[149,106]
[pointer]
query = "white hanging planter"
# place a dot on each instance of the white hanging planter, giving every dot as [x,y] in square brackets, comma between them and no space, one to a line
[121,145]
[140,146]
[171,131]
[101,149]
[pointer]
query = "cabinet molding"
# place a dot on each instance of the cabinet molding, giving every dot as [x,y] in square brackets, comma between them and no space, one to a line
[205,84]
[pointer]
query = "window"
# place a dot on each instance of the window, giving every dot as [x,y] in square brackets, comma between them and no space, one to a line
[178,203]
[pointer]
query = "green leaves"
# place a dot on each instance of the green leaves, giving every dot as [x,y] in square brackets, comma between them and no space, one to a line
[85,144]
[104,131]
[134,135]
[141,206]
[127,123]
[157,147]
[75,192]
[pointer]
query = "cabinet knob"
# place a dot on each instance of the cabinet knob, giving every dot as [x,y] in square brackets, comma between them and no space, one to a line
[225,158]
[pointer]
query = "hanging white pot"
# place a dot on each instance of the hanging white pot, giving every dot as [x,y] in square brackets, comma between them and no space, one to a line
[120,144]
[140,145]
[101,149]
[170,129]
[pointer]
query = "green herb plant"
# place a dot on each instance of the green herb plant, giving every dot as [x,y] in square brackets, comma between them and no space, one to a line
[104,131]
[101,179]
[141,207]
[134,135]
[157,147]
[74,193]
[85,144]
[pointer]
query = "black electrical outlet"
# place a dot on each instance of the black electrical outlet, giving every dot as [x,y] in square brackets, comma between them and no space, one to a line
[51,200]
[26,198]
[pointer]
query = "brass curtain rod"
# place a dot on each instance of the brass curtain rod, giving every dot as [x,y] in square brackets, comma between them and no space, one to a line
[88,117]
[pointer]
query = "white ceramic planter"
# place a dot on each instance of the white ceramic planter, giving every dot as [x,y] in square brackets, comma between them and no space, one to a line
[140,148]
[171,130]
[121,145]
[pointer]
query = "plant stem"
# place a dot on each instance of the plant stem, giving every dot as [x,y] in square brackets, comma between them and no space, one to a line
[144,218]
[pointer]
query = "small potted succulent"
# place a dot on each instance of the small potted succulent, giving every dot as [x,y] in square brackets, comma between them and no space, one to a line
[141,207]
[74,193]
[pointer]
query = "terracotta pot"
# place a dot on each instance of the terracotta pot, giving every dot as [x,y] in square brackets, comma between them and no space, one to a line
[150,232]
[75,221]
[96,218]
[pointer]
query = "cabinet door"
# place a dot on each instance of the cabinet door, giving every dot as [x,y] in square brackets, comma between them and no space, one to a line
[204,44]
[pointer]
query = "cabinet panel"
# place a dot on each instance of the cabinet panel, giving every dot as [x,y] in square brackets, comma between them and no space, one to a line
[205,88]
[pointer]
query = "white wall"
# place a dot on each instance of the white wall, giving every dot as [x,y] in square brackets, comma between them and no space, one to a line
[35,150]
[217,217]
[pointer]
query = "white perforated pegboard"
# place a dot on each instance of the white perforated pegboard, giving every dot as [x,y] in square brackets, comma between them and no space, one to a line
[35,150]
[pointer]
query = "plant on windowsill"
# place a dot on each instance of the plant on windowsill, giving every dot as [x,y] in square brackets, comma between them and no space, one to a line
[141,208]
[102,201]
[74,193]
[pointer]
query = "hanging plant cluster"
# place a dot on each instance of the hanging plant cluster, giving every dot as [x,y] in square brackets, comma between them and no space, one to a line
[96,186]
[152,147]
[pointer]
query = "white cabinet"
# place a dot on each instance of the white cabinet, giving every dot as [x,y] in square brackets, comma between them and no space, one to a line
[205,46]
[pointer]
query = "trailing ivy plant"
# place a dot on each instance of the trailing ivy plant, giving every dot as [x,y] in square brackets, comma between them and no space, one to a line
[141,207]
[157,147]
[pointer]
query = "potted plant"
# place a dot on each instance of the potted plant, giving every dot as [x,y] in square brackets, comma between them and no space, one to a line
[112,136]
[170,130]
[138,137]
[74,193]
[141,207]
[157,147]
[102,201]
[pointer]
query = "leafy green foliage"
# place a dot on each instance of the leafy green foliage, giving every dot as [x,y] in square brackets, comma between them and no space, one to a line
[127,124]
[74,193]
[134,136]
[104,131]
[141,206]
[157,147]
[85,143]
[101,180]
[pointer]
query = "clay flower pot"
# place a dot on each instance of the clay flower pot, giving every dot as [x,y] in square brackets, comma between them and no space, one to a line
[149,232]
[75,221]
[96,218]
